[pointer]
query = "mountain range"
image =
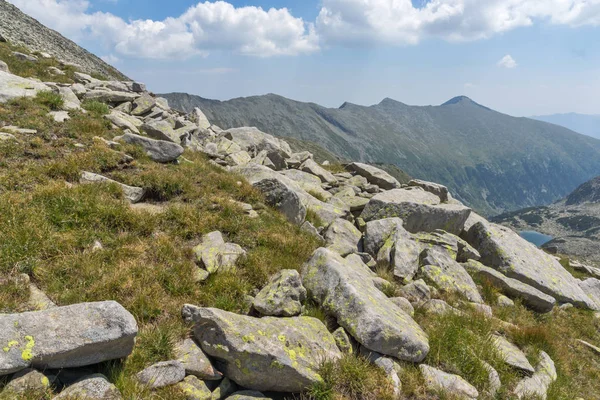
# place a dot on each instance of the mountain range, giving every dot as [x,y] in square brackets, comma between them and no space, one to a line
[582,123]
[491,161]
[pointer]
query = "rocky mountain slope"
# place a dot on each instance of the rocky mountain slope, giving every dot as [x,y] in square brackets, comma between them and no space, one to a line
[491,161]
[20,29]
[581,123]
[573,222]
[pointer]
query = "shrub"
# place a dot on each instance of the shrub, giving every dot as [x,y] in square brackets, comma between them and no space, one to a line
[53,101]
[95,107]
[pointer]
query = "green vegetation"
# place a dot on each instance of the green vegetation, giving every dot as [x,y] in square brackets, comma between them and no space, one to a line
[52,100]
[95,107]
[39,69]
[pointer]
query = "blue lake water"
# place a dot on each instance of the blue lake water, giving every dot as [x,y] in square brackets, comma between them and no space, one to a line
[535,237]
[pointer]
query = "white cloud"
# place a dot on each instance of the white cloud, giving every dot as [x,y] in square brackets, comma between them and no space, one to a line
[507,62]
[111,59]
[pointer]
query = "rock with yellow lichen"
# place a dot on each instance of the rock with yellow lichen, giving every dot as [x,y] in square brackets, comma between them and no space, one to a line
[64,337]
[162,374]
[195,361]
[282,296]
[267,354]
[194,389]
[93,387]
[28,380]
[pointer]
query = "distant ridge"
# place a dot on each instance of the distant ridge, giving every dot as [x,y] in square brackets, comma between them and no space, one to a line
[580,123]
[491,161]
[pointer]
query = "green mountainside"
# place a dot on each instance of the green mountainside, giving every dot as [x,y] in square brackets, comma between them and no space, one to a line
[491,161]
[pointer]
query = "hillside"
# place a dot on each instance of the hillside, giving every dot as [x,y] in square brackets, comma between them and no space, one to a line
[573,222]
[22,30]
[491,161]
[581,123]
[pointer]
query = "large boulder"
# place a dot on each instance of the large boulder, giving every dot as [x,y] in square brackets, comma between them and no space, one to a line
[253,141]
[66,337]
[70,99]
[162,374]
[198,117]
[161,130]
[439,268]
[270,354]
[132,193]
[421,211]
[343,237]
[195,361]
[344,290]
[143,104]
[531,297]
[375,175]
[158,150]
[308,182]
[591,287]
[311,167]
[440,191]
[460,250]
[281,196]
[12,87]
[124,121]
[504,250]
[109,96]
[511,354]
[282,296]
[215,254]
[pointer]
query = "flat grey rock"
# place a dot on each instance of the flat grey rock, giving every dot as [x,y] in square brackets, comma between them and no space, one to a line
[539,383]
[437,380]
[511,354]
[158,150]
[282,296]
[195,361]
[440,191]
[93,387]
[375,175]
[109,96]
[131,193]
[13,86]
[343,237]
[162,374]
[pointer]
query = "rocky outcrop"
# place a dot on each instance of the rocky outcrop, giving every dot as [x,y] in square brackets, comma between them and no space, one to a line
[282,296]
[375,175]
[13,87]
[158,150]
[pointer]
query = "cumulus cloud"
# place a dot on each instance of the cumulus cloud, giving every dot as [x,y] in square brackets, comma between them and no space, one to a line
[507,62]
[111,59]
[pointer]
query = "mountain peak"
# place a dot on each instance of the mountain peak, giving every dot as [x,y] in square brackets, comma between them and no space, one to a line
[464,100]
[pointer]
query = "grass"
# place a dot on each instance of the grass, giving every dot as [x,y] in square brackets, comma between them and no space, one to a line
[49,224]
[39,69]
[95,107]
[53,101]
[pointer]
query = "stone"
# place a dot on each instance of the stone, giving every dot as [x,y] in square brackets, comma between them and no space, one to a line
[198,117]
[12,87]
[225,388]
[511,354]
[284,198]
[539,383]
[4,67]
[108,96]
[404,304]
[419,210]
[375,175]
[344,290]
[92,387]
[125,108]
[158,150]
[27,380]
[38,300]
[195,361]
[238,158]
[142,104]
[504,250]
[194,389]
[440,191]
[297,159]
[56,71]
[388,365]
[377,232]
[80,77]
[132,194]
[15,129]
[161,130]
[24,57]
[70,99]
[315,169]
[590,346]
[282,296]
[343,341]
[248,395]
[591,287]
[494,382]
[267,354]
[503,301]
[78,89]
[162,374]
[215,254]
[308,182]
[448,275]
[124,121]
[438,307]
[416,292]
[253,141]
[59,116]
[530,296]
[458,248]
[343,237]
[65,337]
[437,380]
[7,136]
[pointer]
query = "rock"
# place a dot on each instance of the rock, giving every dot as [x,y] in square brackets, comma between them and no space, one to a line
[505,251]
[343,341]
[216,255]
[198,117]
[388,365]
[194,389]
[282,296]
[70,99]
[195,361]
[436,380]
[7,136]
[438,307]
[416,292]
[56,71]
[225,388]
[27,380]
[377,232]
[4,67]
[138,87]
[80,77]
[38,300]
[343,237]
[253,141]
[494,383]
[459,249]
[131,193]
[375,175]
[590,346]
[142,104]
[538,384]
[12,87]
[503,301]
[591,287]
[158,150]
[297,159]
[162,103]
[24,57]
[448,275]
[162,374]
[315,169]
[343,290]
[108,96]
[124,121]
[404,304]
[248,395]
[420,211]
[530,296]
[271,354]
[284,198]
[92,387]
[65,337]
[239,158]
[59,116]
[15,129]
[161,130]
[511,354]
[440,191]
[308,182]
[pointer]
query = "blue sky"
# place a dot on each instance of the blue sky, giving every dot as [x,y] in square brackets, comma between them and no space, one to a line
[522,57]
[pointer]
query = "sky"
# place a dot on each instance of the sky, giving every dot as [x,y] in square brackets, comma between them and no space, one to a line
[520,57]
